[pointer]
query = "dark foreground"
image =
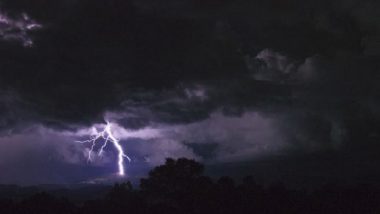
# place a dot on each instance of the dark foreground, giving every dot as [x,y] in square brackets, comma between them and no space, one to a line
[179,187]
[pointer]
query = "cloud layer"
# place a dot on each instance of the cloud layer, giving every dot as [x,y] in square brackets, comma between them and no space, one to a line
[215,81]
[17,29]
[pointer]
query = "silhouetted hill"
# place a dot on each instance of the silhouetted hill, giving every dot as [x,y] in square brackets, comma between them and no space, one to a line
[75,192]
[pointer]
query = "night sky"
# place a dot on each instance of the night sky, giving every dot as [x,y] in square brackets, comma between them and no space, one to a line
[280,89]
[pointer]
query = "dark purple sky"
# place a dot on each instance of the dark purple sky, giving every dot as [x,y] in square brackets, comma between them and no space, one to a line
[228,83]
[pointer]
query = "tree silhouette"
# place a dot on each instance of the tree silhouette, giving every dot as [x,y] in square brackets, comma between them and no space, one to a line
[176,176]
[179,186]
[176,184]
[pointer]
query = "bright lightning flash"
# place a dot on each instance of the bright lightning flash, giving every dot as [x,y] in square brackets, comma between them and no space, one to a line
[107,136]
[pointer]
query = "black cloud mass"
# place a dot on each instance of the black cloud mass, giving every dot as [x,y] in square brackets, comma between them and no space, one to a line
[223,81]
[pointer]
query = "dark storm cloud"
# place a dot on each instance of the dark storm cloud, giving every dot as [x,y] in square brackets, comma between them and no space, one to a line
[75,72]
[92,55]
[308,67]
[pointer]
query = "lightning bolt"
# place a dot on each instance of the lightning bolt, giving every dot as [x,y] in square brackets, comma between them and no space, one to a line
[107,136]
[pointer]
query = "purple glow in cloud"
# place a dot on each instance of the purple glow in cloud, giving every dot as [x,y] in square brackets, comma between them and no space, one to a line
[17,28]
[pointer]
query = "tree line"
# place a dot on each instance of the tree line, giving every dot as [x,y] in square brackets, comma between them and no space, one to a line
[179,186]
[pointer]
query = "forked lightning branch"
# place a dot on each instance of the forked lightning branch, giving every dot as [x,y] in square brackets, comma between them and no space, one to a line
[105,137]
